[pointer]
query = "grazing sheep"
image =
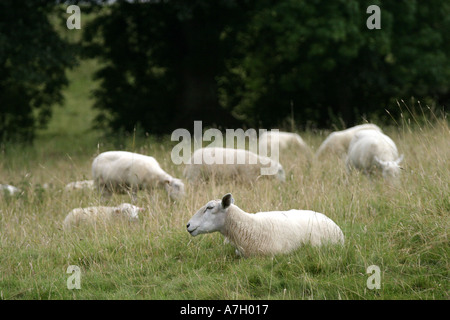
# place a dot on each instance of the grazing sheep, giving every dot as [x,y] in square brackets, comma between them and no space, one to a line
[264,233]
[80,185]
[93,215]
[119,171]
[228,163]
[372,151]
[285,140]
[337,142]
[9,189]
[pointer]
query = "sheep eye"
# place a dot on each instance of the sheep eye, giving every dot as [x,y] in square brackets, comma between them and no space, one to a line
[209,208]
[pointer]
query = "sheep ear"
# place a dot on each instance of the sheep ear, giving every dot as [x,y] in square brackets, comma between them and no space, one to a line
[400,159]
[117,211]
[227,200]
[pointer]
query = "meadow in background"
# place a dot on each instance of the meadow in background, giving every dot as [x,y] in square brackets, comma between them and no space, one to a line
[401,228]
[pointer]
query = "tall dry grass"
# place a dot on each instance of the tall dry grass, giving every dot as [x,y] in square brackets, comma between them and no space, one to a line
[402,228]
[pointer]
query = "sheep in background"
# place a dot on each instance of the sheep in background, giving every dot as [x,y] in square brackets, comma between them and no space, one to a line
[9,189]
[286,140]
[264,233]
[120,171]
[79,185]
[231,164]
[372,151]
[337,142]
[93,215]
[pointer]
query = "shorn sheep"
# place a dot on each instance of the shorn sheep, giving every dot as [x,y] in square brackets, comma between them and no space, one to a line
[286,140]
[264,233]
[122,171]
[373,152]
[337,142]
[231,164]
[93,215]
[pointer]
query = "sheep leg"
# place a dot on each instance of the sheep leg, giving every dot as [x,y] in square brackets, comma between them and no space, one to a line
[133,194]
[105,193]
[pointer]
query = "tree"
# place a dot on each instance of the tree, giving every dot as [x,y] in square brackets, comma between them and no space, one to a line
[257,63]
[318,61]
[33,58]
[161,61]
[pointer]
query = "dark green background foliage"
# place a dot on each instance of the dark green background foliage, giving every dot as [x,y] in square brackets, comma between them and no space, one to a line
[321,56]
[162,61]
[33,58]
[229,63]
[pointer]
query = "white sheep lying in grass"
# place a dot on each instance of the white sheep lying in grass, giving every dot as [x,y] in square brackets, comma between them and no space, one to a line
[93,215]
[80,185]
[121,171]
[285,140]
[264,233]
[337,142]
[372,151]
[231,164]
[9,189]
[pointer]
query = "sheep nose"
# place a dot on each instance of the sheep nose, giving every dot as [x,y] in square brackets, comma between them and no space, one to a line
[187,226]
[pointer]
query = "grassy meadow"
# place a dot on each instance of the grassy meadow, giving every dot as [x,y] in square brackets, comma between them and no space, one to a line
[401,228]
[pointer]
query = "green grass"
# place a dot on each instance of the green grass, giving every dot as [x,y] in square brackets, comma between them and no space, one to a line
[401,228]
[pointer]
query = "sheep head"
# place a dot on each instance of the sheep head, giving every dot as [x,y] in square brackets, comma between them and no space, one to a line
[390,169]
[128,210]
[211,217]
[174,188]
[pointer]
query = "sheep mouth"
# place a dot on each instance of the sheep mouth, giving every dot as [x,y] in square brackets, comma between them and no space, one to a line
[192,232]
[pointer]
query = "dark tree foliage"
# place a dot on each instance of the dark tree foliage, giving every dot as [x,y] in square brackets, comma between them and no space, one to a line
[256,63]
[318,61]
[228,63]
[33,58]
[161,62]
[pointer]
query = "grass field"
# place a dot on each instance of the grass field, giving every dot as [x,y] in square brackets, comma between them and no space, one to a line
[402,229]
